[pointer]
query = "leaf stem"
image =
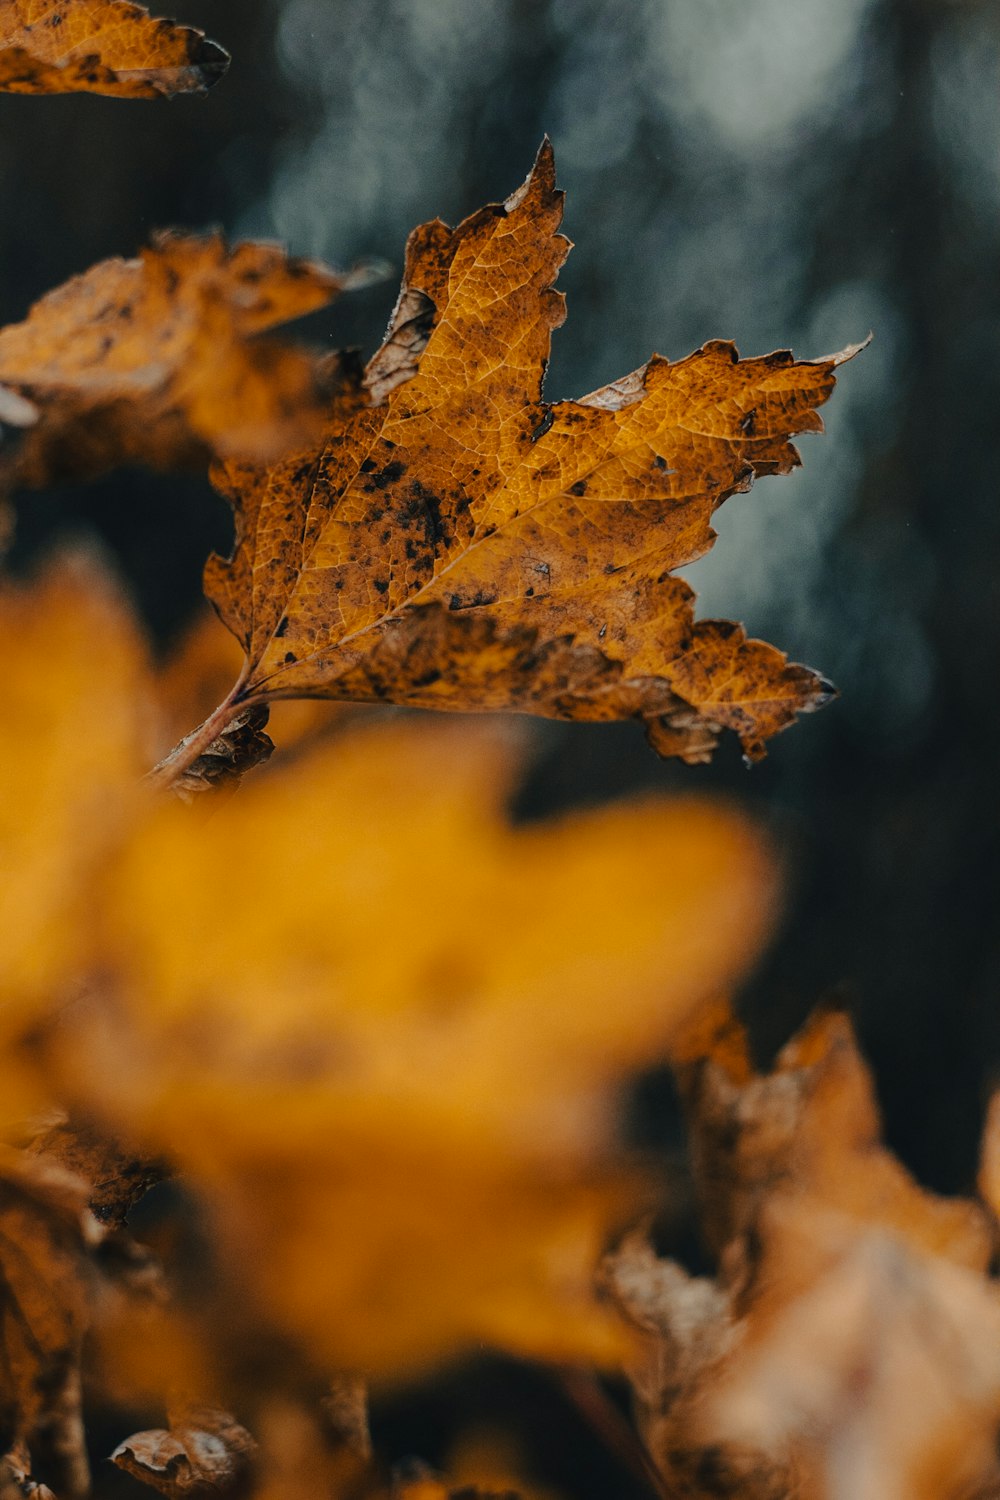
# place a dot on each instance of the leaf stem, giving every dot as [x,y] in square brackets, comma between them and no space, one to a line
[173,766]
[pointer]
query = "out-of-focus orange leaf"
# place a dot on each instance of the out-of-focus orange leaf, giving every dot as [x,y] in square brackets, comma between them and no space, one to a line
[158,360]
[811,1125]
[398,1028]
[359,1009]
[850,1346]
[460,543]
[102,47]
[73,743]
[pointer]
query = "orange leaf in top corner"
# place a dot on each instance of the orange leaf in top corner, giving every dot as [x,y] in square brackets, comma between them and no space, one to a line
[102,47]
[460,543]
[157,360]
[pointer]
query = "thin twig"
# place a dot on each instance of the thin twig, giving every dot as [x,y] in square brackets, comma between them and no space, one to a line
[172,766]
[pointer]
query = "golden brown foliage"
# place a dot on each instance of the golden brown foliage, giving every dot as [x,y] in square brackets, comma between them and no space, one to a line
[331,1096]
[377,1032]
[158,360]
[459,543]
[203,1449]
[850,1345]
[102,47]
[44,1305]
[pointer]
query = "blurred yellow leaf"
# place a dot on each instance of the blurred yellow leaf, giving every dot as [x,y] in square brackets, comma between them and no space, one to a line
[73,742]
[849,1348]
[377,1026]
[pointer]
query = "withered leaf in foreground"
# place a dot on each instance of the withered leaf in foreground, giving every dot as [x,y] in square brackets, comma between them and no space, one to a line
[331,1095]
[44,1246]
[204,1450]
[460,543]
[849,1348]
[158,360]
[102,47]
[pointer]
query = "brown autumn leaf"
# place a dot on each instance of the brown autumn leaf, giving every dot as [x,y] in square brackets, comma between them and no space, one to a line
[457,542]
[116,1175]
[848,1347]
[102,47]
[204,1450]
[16,1482]
[45,1239]
[158,360]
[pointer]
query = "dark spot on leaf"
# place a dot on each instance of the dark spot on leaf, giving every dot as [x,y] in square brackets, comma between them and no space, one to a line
[392,471]
[289,657]
[580,488]
[543,426]
[367,466]
[425,506]
[282,626]
[382,584]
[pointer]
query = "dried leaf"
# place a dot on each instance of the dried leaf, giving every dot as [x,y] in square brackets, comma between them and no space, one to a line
[848,1349]
[811,1125]
[116,1176]
[240,746]
[459,543]
[157,360]
[346,1407]
[16,1482]
[102,47]
[881,1372]
[44,1246]
[203,1451]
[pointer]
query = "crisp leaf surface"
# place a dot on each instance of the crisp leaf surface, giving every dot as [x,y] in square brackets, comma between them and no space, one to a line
[102,47]
[458,542]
